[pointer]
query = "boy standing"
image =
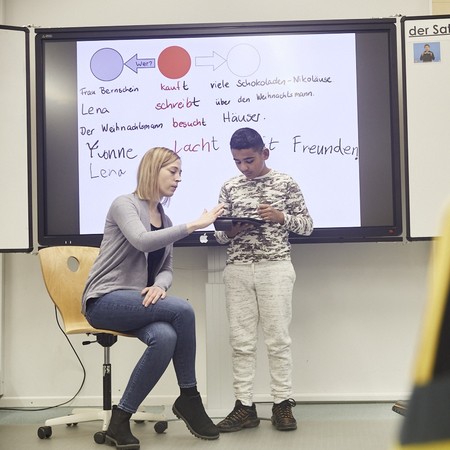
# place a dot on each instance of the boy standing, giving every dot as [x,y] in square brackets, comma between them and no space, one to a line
[259,277]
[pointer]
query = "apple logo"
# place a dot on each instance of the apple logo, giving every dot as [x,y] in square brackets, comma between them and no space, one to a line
[204,238]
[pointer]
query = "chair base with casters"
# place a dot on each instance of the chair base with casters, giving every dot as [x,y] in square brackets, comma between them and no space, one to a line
[80,415]
[65,270]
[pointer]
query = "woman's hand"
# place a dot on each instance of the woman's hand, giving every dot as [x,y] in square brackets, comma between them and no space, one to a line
[152,294]
[206,219]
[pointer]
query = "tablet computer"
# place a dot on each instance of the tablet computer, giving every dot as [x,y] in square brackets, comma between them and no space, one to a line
[224,223]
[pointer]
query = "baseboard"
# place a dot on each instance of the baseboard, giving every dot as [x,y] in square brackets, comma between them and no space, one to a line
[344,397]
[157,400]
[80,401]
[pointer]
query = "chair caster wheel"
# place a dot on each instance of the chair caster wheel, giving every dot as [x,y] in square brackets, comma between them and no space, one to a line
[44,432]
[161,426]
[99,437]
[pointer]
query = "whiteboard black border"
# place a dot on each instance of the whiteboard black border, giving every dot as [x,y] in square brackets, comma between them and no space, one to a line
[28,248]
[405,122]
[332,235]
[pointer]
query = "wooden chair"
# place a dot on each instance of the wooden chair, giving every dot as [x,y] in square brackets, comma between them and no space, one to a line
[65,270]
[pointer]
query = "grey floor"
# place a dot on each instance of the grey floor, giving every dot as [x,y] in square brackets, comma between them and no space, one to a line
[358,426]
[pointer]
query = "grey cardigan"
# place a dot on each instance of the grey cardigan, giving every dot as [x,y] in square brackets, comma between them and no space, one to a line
[127,238]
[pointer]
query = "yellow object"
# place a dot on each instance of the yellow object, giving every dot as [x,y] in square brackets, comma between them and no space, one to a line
[427,420]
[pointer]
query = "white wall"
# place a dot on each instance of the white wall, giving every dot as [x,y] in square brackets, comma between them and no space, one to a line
[54,13]
[357,309]
[357,312]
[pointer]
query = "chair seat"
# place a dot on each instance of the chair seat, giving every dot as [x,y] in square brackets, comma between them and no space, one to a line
[83,327]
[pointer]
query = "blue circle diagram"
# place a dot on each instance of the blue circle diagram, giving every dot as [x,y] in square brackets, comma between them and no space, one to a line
[106,64]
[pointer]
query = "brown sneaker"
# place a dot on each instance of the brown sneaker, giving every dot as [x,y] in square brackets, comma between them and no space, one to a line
[241,417]
[282,418]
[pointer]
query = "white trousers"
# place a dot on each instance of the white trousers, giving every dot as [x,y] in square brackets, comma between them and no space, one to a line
[260,293]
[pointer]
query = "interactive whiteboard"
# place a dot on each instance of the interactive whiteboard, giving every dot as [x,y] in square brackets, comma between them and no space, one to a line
[192,98]
[322,95]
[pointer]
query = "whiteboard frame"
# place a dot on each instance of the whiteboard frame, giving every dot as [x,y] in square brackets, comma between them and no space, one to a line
[416,179]
[16,228]
[367,233]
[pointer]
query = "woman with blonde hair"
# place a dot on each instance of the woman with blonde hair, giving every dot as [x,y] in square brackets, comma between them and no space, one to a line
[127,292]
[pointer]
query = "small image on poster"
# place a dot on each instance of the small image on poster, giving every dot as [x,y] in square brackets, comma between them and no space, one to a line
[427,52]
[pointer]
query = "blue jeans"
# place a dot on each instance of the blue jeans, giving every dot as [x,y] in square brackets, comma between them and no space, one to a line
[168,330]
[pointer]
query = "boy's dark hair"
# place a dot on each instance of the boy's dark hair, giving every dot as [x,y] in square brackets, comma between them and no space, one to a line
[246,138]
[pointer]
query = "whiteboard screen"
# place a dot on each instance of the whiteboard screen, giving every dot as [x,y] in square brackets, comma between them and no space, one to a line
[324,109]
[15,224]
[426,43]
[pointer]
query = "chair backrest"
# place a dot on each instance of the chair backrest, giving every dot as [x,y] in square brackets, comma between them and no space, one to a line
[65,270]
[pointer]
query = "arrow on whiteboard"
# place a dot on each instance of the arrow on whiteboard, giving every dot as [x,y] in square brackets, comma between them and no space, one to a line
[215,60]
[136,63]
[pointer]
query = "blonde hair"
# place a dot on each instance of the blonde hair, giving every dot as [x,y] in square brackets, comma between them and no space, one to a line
[148,172]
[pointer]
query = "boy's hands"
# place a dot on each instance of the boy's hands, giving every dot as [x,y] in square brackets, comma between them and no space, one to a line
[238,227]
[270,214]
[267,212]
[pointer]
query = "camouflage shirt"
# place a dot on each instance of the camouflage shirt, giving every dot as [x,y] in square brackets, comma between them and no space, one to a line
[270,241]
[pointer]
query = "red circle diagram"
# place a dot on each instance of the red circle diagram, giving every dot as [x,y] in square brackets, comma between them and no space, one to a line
[174,62]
